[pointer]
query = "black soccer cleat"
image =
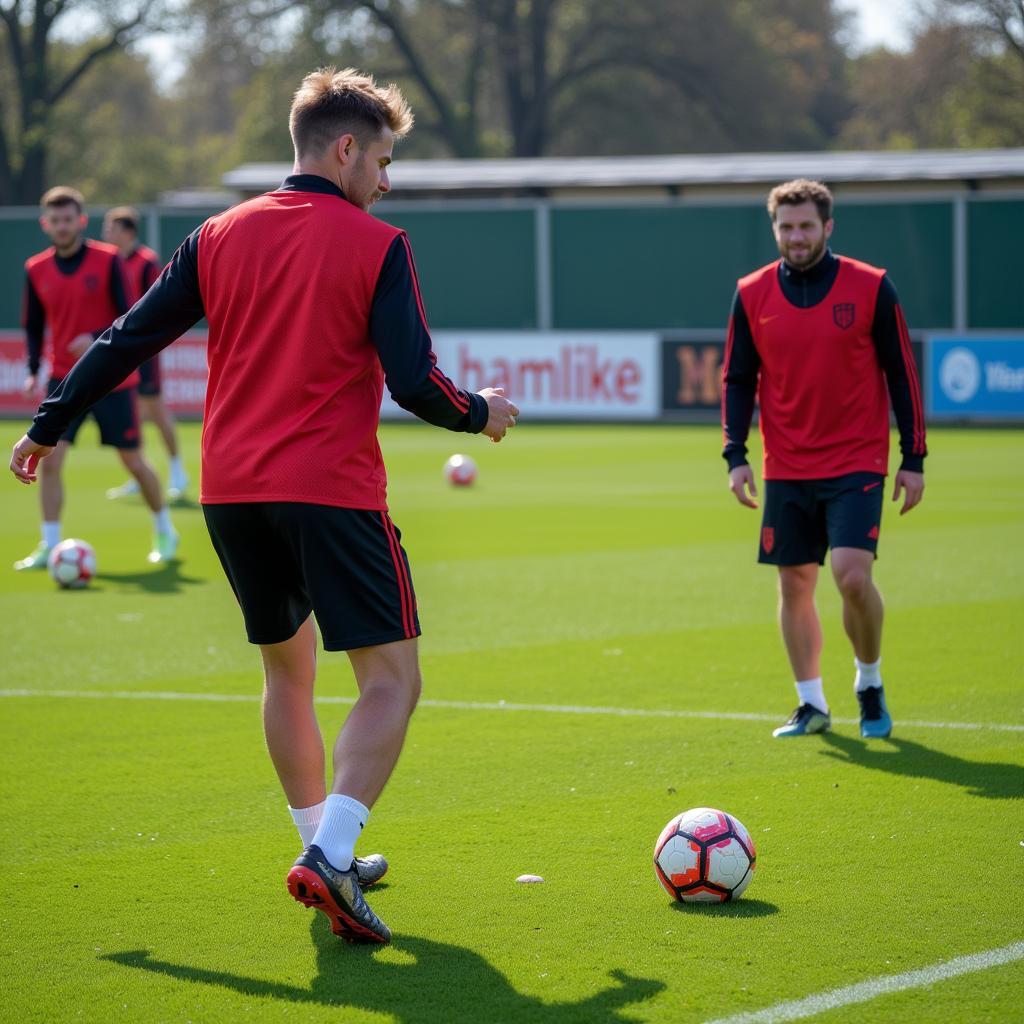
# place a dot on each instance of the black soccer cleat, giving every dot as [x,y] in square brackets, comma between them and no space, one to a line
[807,719]
[315,883]
[370,870]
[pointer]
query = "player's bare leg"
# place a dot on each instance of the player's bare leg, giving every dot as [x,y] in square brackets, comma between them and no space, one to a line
[863,613]
[51,501]
[367,748]
[165,540]
[798,618]
[365,753]
[289,720]
[801,633]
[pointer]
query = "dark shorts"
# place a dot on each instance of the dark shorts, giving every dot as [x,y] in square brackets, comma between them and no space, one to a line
[287,559]
[149,378]
[804,518]
[117,415]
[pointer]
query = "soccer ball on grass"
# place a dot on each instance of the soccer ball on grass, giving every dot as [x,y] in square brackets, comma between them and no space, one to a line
[72,563]
[704,856]
[460,471]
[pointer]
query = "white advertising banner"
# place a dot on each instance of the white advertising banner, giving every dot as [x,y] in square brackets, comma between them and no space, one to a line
[556,374]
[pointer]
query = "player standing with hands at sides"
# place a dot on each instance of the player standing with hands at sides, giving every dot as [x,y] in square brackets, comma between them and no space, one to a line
[141,267]
[312,304]
[76,288]
[820,338]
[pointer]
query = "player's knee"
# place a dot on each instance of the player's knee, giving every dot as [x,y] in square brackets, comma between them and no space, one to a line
[854,582]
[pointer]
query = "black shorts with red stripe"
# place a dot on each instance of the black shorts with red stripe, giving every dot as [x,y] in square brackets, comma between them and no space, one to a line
[345,565]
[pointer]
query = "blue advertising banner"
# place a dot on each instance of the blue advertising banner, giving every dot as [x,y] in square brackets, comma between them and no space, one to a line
[976,378]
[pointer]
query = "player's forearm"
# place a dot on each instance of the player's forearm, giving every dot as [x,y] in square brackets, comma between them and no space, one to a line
[447,406]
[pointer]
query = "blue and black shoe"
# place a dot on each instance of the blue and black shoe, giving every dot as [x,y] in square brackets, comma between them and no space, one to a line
[875,722]
[316,883]
[806,720]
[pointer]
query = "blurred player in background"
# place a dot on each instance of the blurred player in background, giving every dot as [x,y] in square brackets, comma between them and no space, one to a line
[141,267]
[312,305]
[76,289]
[820,338]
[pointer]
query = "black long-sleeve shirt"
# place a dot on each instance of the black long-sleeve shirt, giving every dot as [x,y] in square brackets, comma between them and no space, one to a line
[174,304]
[804,289]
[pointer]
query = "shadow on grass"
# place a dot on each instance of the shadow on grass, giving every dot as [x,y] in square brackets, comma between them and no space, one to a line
[435,984]
[742,907]
[162,579]
[995,781]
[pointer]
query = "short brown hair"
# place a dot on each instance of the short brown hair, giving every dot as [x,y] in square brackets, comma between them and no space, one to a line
[800,190]
[331,103]
[62,195]
[126,216]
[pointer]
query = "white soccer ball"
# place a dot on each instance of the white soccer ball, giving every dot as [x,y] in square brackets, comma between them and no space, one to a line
[460,471]
[704,856]
[72,563]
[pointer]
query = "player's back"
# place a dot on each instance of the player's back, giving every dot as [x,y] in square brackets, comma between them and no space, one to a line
[287,282]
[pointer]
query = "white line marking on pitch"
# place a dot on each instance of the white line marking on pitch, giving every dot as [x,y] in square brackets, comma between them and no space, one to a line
[873,987]
[498,705]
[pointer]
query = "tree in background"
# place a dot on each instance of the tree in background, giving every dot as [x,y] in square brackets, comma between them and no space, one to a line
[961,84]
[43,72]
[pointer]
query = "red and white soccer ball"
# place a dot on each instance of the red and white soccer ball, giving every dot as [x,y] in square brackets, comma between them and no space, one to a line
[704,856]
[72,563]
[460,471]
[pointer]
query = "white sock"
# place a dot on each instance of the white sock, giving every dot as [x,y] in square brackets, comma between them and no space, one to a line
[868,674]
[51,534]
[178,475]
[162,521]
[307,820]
[810,691]
[340,825]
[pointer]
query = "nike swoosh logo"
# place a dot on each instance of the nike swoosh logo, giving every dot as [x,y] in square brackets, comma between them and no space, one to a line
[767,319]
[871,487]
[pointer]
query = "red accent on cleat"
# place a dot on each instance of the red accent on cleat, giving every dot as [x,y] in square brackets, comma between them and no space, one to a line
[308,888]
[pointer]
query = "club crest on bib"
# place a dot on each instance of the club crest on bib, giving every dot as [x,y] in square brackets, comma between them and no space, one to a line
[92,283]
[843,313]
[768,539]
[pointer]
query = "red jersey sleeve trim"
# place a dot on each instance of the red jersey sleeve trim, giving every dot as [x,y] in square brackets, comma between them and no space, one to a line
[912,382]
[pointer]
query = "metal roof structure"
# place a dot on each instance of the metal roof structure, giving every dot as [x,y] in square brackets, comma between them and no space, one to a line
[962,167]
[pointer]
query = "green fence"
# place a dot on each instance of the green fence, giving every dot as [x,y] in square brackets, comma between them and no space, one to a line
[649,265]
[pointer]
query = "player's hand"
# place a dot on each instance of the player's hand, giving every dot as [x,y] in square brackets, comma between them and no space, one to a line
[25,457]
[31,386]
[741,480]
[501,413]
[78,346]
[912,485]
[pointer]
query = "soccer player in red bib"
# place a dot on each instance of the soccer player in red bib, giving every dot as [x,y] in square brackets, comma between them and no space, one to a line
[76,289]
[141,267]
[821,341]
[312,305]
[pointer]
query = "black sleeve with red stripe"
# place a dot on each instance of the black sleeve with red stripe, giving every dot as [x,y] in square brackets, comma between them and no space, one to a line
[741,367]
[33,319]
[892,343]
[398,327]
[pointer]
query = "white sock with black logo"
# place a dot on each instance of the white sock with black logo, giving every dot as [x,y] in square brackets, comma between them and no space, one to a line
[307,820]
[811,691]
[340,826]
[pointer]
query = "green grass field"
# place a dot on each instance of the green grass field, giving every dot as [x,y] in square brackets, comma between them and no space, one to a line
[145,841]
